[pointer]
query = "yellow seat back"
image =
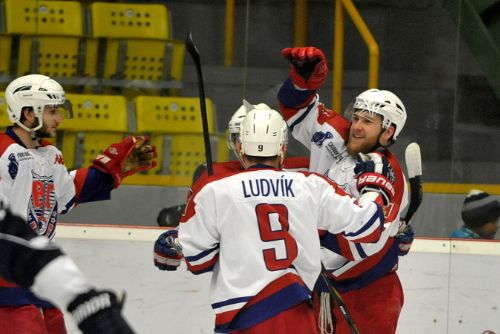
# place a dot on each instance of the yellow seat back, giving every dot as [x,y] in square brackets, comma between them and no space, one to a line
[164,114]
[129,20]
[144,59]
[187,151]
[176,128]
[140,57]
[97,113]
[4,117]
[43,17]
[57,56]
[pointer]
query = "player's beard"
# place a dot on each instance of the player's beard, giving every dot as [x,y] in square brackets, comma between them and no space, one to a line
[364,146]
[43,133]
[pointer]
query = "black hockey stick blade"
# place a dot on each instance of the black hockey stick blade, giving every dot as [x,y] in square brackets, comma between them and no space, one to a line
[193,51]
[170,216]
[414,165]
[191,48]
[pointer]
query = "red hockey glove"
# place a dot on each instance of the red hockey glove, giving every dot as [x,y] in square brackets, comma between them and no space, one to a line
[308,68]
[127,157]
[374,173]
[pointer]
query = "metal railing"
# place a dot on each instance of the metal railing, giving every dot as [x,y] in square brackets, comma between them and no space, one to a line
[338,48]
[300,33]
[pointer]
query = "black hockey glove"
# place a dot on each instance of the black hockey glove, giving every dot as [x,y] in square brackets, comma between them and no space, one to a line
[99,312]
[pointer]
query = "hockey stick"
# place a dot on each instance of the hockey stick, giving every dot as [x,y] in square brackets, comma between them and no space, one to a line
[338,299]
[170,216]
[414,167]
[193,51]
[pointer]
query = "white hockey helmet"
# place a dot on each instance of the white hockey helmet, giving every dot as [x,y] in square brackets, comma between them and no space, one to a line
[384,103]
[234,125]
[263,133]
[35,91]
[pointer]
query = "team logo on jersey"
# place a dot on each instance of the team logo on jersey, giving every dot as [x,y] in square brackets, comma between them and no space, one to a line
[334,152]
[42,207]
[13,166]
[58,160]
[319,137]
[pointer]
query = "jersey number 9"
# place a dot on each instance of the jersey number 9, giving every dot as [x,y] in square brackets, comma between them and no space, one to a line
[267,234]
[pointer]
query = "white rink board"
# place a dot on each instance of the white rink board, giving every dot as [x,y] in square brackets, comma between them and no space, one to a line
[159,302]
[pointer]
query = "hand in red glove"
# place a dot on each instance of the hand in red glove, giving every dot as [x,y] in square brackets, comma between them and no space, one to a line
[131,155]
[309,67]
[374,173]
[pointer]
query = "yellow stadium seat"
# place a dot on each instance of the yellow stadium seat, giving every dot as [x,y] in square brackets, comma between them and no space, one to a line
[4,117]
[43,17]
[176,129]
[50,37]
[129,20]
[159,61]
[58,57]
[187,151]
[165,114]
[140,57]
[97,113]
[98,121]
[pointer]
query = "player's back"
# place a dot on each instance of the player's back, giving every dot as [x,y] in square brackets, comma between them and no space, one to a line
[255,231]
[267,223]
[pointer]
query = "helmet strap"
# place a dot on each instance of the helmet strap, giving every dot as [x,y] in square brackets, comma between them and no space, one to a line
[390,141]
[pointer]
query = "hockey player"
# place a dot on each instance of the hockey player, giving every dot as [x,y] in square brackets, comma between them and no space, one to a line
[364,274]
[35,263]
[170,216]
[37,184]
[257,231]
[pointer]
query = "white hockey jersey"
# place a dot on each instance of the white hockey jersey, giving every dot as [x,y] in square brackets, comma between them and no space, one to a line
[257,230]
[36,184]
[325,134]
[37,187]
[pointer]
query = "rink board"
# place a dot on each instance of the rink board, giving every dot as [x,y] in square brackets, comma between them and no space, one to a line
[450,286]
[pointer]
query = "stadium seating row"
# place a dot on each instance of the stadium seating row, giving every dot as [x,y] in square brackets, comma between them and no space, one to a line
[174,124]
[99,47]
